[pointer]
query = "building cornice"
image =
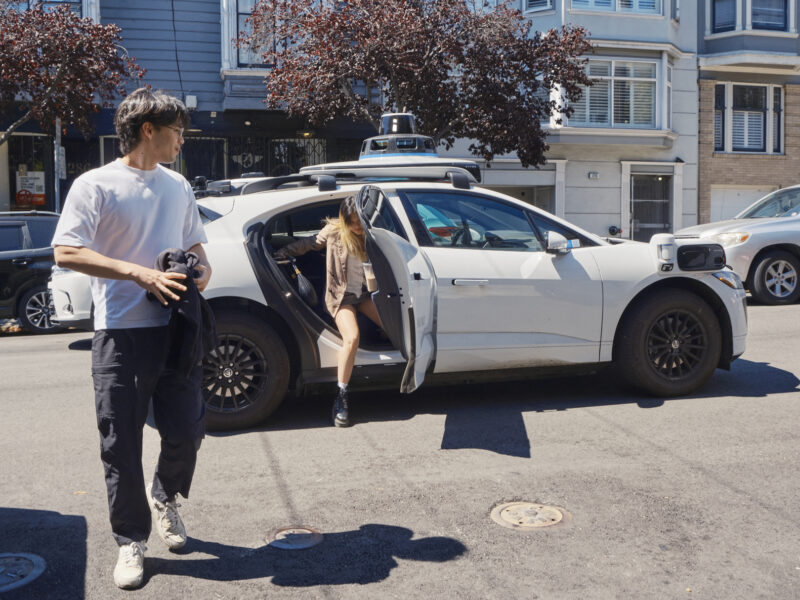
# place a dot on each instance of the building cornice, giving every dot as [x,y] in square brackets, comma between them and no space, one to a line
[750,61]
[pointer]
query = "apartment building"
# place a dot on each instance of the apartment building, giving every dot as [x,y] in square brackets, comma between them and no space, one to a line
[749,112]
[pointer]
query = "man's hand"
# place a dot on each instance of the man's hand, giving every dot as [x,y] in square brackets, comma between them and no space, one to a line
[159,283]
[205,276]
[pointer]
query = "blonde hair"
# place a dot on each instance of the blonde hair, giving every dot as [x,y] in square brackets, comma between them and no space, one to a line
[355,244]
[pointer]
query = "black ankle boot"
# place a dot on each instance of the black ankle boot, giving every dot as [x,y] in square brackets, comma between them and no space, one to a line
[341,416]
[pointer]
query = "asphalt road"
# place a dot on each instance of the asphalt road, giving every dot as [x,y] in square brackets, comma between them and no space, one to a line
[692,497]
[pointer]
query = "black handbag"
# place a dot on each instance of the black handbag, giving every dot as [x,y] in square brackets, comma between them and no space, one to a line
[304,287]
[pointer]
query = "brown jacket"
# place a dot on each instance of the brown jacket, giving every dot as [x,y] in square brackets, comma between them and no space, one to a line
[335,262]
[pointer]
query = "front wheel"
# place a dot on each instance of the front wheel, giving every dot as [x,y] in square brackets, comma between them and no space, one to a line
[246,375]
[669,344]
[775,278]
[36,311]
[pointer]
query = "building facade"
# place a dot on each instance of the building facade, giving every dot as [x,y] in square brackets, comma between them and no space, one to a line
[627,158]
[749,115]
[188,50]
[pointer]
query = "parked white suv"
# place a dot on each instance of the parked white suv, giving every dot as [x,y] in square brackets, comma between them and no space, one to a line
[762,244]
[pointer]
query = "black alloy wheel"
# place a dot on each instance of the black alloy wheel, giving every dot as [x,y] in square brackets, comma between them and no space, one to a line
[676,344]
[234,374]
[246,375]
[668,343]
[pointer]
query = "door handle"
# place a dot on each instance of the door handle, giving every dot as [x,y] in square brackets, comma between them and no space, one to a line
[470,282]
[21,262]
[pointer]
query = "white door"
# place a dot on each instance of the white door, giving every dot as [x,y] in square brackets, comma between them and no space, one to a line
[503,301]
[726,203]
[406,298]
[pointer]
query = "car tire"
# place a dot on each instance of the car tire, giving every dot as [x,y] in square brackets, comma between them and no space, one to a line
[35,311]
[669,344]
[246,376]
[775,278]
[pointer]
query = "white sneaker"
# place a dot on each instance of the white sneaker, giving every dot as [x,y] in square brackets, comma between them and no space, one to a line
[168,522]
[130,565]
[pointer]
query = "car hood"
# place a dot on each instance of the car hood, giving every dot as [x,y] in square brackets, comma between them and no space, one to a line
[709,229]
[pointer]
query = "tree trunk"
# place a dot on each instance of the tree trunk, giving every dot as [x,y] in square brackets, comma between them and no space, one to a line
[14,126]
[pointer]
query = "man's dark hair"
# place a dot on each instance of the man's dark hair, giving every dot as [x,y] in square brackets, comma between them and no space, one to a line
[142,106]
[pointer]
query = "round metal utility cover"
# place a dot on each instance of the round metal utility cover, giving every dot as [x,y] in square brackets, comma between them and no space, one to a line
[527,515]
[294,538]
[19,569]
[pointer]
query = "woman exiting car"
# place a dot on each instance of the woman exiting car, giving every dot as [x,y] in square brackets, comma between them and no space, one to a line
[345,289]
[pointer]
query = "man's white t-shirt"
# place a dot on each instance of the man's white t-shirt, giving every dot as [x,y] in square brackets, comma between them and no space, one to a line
[131,215]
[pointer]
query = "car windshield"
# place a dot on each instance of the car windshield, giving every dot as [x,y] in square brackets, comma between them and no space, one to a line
[782,203]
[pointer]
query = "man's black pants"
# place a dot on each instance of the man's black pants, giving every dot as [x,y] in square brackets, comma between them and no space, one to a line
[129,367]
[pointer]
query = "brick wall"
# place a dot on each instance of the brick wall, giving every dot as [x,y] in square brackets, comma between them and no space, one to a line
[746,170]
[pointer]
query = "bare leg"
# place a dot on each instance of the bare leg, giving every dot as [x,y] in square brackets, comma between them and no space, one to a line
[348,328]
[368,308]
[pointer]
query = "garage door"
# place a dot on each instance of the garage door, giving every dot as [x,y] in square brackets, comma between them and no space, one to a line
[726,203]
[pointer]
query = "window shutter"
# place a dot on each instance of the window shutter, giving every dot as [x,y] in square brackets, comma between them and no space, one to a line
[719,138]
[644,103]
[579,112]
[599,103]
[538,4]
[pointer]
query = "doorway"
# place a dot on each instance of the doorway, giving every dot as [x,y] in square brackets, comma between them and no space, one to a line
[651,206]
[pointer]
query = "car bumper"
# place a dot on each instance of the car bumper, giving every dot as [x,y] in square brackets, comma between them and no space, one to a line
[72,299]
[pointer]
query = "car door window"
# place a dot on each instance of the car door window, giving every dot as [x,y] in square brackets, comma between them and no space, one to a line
[11,236]
[376,209]
[459,220]
[42,231]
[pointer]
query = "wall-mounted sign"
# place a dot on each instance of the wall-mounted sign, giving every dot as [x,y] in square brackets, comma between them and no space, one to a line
[30,190]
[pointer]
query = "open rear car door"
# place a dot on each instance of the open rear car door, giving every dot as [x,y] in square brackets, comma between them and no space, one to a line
[406,296]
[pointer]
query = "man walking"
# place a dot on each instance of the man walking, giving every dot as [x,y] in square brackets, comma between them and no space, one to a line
[116,221]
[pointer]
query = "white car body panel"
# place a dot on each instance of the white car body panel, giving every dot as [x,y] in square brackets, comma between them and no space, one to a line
[524,309]
[72,297]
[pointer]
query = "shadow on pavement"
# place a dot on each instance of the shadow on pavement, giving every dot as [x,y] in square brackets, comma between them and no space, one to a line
[81,344]
[363,556]
[489,416]
[59,539]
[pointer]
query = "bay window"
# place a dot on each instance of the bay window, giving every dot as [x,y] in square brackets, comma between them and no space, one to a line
[723,15]
[622,94]
[748,118]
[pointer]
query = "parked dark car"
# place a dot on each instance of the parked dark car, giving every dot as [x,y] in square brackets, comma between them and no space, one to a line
[26,258]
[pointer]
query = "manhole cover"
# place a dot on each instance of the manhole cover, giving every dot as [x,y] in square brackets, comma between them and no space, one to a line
[17,570]
[294,538]
[527,515]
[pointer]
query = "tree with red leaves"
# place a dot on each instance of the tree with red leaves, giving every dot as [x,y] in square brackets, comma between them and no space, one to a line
[465,68]
[55,64]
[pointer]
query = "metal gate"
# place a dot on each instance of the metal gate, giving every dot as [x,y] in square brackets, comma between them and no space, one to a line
[651,206]
[272,157]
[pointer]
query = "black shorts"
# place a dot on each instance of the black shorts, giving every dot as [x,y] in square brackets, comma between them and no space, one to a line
[351,299]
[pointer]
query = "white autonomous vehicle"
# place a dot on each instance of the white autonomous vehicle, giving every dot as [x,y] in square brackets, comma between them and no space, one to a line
[471,284]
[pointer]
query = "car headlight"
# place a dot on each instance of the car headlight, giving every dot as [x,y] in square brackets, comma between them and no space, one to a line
[731,238]
[729,278]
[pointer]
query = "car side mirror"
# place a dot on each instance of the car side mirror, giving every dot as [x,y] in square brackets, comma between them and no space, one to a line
[557,243]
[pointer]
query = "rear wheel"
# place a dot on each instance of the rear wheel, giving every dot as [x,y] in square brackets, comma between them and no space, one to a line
[35,311]
[246,375]
[669,344]
[775,278]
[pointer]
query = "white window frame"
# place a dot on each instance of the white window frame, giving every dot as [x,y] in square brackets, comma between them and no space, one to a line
[615,6]
[659,101]
[744,21]
[548,5]
[769,121]
[229,52]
